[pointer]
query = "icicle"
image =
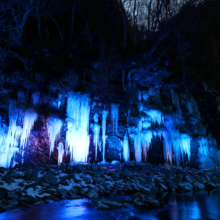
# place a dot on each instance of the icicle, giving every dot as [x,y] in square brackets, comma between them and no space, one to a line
[114,113]
[96,128]
[104,116]
[54,126]
[9,141]
[137,143]
[146,138]
[176,145]
[77,135]
[36,98]
[126,150]
[156,116]
[59,102]
[203,146]
[30,117]
[61,151]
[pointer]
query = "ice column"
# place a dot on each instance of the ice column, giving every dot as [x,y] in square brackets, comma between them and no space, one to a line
[30,116]
[104,116]
[96,133]
[54,126]
[9,142]
[176,145]
[114,113]
[60,149]
[77,135]
[126,150]
[137,143]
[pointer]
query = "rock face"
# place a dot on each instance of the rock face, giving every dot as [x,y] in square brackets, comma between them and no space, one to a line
[164,122]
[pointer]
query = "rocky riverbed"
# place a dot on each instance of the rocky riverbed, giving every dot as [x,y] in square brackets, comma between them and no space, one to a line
[30,187]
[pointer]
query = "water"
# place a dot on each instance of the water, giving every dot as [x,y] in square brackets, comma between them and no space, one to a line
[185,206]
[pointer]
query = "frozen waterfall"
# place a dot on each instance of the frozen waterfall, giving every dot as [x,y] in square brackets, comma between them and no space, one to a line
[126,150]
[104,116]
[54,126]
[114,113]
[77,135]
[61,151]
[96,128]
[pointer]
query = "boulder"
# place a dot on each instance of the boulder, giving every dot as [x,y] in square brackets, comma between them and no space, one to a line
[50,179]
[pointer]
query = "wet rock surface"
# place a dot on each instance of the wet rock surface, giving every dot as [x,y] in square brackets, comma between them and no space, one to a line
[140,181]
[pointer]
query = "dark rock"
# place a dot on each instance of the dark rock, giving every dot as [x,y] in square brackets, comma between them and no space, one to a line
[21,184]
[50,179]
[107,204]
[44,184]
[153,202]
[13,202]
[27,175]
[138,203]
[38,203]
[64,182]
[35,179]
[78,168]
[93,194]
[3,193]
[12,196]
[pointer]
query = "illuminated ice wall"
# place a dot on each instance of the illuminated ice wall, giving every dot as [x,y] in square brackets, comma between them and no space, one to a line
[142,125]
[77,135]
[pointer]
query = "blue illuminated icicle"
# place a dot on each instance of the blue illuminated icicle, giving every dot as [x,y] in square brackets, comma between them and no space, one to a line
[61,151]
[96,128]
[54,126]
[126,150]
[9,141]
[77,135]
[114,113]
[104,116]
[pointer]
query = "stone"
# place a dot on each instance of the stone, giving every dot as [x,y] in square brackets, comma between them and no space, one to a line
[3,193]
[198,186]
[101,206]
[153,202]
[13,202]
[185,186]
[112,203]
[50,179]
[93,194]
[38,203]
[12,196]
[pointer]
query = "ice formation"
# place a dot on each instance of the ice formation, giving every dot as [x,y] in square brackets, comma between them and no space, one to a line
[155,115]
[114,113]
[104,116]
[146,137]
[35,98]
[126,150]
[203,146]
[96,128]
[61,151]
[176,145]
[30,116]
[77,135]
[137,143]
[9,141]
[54,126]
[59,102]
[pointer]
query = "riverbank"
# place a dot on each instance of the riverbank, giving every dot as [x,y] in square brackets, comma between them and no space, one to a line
[30,187]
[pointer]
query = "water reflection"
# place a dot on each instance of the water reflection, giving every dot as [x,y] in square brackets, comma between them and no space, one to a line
[187,206]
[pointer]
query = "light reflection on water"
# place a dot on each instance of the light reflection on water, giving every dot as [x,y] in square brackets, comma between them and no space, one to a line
[187,206]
